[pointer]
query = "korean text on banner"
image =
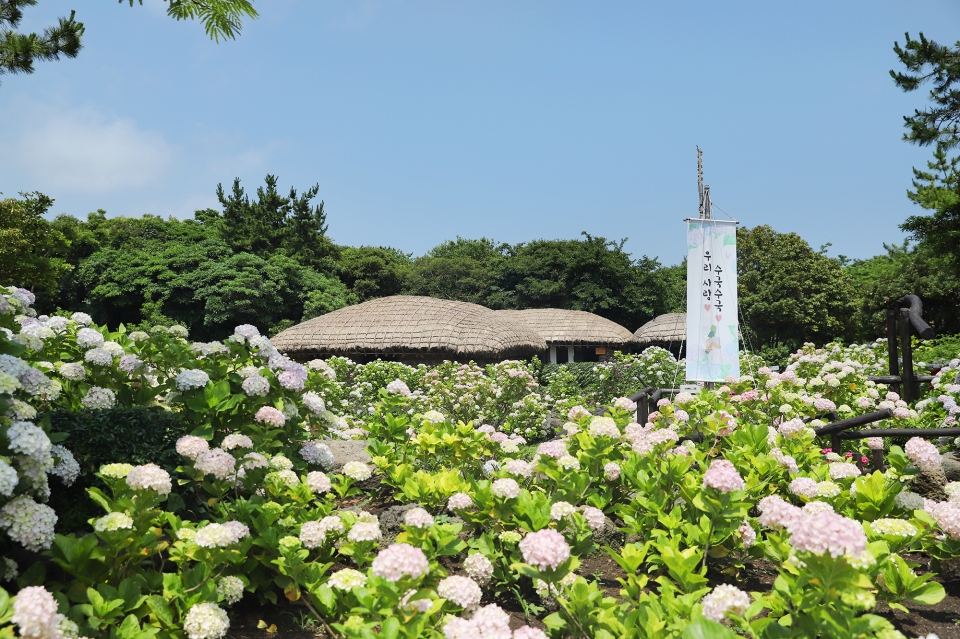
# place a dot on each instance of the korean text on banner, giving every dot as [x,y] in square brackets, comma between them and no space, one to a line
[712,329]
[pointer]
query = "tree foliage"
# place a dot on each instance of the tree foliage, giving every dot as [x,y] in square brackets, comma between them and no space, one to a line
[273,223]
[19,51]
[905,270]
[925,60]
[461,269]
[593,274]
[29,248]
[938,188]
[220,18]
[789,293]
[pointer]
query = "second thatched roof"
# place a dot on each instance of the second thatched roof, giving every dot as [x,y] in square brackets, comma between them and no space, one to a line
[564,327]
[671,327]
[414,326]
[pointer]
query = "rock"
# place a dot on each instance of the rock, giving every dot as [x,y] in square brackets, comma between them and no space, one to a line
[609,535]
[930,485]
[347,450]
[391,519]
[951,466]
[552,425]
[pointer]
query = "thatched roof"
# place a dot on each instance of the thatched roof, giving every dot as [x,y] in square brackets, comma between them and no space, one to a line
[414,326]
[671,327]
[564,327]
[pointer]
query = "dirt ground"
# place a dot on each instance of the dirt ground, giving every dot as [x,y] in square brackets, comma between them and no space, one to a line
[291,621]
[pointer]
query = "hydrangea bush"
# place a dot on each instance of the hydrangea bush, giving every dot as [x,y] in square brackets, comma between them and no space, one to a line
[259,508]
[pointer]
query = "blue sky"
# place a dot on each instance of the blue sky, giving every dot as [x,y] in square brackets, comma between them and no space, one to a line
[422,121]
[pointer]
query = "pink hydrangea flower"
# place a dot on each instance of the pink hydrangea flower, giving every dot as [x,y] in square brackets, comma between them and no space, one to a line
[459,501]
[270,415]
[777,513]
[463,591]
[399,560]
[724,598]
[828,532]
[804,487]
[545,549]
[611,470]
[947,515]
[192,446]
[35,613]
[723,476]
[923,454]
[555,449]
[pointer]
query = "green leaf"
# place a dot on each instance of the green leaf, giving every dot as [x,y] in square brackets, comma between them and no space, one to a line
[703,628]
[159,607]
[929,594]
[216,392]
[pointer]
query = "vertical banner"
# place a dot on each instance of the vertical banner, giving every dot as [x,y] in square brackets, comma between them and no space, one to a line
[712,330]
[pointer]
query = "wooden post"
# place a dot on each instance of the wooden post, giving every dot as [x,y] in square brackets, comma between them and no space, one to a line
[878,460]
[909,384]
[892,355]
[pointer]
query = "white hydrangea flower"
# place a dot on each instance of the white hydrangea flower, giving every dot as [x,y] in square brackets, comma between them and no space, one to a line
[82,319]
[206,621]
[99,398]
[113,521]
[72,371]
[28,439]
[8,478]
[67,469]
[314,403]
[89,338]
[317,453]
[561,509]
[230,589]
[28,523]
[192,378]
[347,579]
[256,385]
[357,470]
[116,471]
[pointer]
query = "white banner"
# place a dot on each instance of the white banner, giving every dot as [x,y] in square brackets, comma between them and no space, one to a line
[712,328]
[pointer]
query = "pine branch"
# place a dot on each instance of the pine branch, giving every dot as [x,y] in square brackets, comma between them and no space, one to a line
[220,18]
[18,51]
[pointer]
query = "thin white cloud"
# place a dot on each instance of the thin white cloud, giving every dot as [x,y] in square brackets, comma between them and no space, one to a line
[86,150]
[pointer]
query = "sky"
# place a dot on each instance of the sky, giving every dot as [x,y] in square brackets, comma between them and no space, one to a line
[422,121]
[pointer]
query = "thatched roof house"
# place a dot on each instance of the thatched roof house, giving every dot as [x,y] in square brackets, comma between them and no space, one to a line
[668,331]
[411,329]
[574,336]
[668,328]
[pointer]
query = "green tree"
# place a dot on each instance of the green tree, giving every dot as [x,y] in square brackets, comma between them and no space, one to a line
[938,189]
[460,269]
[373,272]
[788,293]
[30,249]
[220,18]
[592,274]
[925,60]
[902,270]
[19,51]
[272,223]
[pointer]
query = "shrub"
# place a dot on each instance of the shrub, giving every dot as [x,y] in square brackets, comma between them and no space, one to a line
[135,435]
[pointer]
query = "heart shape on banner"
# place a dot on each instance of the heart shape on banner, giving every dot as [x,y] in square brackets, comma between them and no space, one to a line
[719,317]
[706,307]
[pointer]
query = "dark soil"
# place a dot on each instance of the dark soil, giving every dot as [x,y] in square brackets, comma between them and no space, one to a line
[284,621]
[294,622]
